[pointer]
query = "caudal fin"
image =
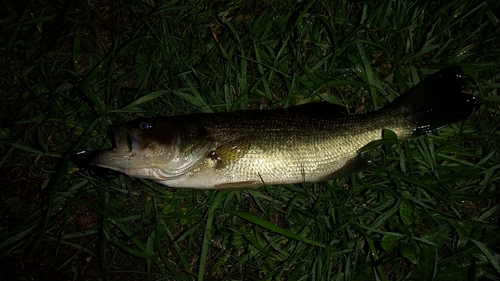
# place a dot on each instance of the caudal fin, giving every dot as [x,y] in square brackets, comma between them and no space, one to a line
[435,102]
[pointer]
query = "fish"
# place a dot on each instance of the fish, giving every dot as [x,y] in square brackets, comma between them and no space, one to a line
[247,149]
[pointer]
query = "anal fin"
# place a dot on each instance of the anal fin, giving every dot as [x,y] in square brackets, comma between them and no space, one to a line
[355,165]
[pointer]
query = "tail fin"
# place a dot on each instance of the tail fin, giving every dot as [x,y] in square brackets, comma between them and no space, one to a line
[435,102]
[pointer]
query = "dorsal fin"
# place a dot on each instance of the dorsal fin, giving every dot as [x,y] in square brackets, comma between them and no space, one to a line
[322,108]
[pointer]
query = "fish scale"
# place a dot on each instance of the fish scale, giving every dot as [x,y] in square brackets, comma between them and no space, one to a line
[288,152]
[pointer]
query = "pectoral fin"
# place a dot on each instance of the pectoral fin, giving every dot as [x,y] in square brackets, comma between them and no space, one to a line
[230,152]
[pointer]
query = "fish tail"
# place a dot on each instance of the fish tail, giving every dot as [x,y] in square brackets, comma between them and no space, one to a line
[433,103]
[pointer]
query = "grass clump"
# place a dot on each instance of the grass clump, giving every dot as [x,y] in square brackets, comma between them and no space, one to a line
[427,210]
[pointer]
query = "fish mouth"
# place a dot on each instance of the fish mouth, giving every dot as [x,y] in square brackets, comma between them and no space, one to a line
[125,146]
[124,141]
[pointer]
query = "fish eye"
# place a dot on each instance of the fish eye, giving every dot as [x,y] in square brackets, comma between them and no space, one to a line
[145,126]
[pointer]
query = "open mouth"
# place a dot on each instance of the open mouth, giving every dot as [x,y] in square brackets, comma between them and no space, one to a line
[126,146]
[132,143]
[124,141]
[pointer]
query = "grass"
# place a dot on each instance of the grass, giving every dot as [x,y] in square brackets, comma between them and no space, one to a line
[427,210]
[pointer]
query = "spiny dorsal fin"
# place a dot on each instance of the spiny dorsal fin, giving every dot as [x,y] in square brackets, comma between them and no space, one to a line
[322,108]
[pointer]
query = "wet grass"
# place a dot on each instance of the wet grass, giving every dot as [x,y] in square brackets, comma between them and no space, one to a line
[427,210]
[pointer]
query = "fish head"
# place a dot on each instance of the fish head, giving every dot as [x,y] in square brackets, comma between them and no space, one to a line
[157,149]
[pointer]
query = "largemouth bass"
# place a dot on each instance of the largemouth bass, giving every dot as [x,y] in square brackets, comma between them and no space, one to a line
[248,149]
